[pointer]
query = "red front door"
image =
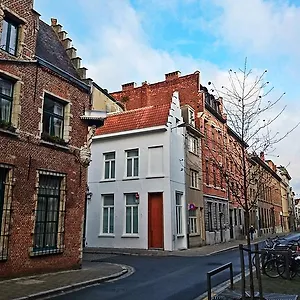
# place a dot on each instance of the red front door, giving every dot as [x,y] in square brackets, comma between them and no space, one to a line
[155,220]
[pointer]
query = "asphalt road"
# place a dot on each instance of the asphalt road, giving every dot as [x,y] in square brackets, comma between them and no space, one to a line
[166,278]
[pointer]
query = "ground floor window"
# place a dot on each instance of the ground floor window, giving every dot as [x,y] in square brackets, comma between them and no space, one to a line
[108,214]
[132,217]
[193,226]
[50,213]
[179,213]
[5,208]
[209,216]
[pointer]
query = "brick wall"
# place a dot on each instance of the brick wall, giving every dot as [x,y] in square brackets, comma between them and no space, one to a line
[27,154]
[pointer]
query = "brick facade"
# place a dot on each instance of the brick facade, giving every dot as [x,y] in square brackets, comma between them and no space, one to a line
[25,153]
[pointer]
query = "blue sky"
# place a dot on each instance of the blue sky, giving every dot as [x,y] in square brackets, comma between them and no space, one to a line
[135,40]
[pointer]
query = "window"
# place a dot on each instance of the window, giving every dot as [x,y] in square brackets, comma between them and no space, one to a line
[205,132]
[209,216]
[179,216]
[132,159]
[191,117]
[221,179]
[207,172]
[214,175]
[108,214]
[132,217]
[194,175]
[48,231]
[193,144]
[193,222]
[109,165]
[6,99]
[235,217]
[53,118]
[9,36]
[213,141]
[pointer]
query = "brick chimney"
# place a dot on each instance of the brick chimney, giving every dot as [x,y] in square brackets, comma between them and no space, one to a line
[128,86]
[262,156]
[173,75]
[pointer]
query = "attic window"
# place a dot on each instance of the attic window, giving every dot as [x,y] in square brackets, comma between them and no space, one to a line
[9,36]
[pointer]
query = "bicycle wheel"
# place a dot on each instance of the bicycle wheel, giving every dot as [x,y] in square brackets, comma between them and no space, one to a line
[270,268]
[281,268]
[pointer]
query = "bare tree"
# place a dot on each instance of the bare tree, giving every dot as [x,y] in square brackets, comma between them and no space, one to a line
[250,112]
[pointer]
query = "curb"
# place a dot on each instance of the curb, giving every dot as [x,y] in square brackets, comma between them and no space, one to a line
[79,285]
[221,287]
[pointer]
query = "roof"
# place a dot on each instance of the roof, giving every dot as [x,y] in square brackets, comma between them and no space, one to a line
[50,49]
[145,117]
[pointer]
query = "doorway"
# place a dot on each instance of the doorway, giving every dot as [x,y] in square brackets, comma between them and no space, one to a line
[155,221]
[231,223]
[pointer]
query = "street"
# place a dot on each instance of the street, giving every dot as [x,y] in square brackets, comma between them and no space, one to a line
[158,278]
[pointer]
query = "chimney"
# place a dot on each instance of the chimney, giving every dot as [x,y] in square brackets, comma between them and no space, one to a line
[262,156]
[53,21]
[128,86]
[173,75]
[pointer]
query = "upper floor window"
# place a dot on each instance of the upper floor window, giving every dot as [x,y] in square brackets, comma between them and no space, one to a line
[194,179]
[193,144]
[53,117]
[191,116]
[110,165]
[6,99]
[9,36]
[132,163]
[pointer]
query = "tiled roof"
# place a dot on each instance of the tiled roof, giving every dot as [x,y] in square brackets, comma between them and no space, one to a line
[144,117]
[49,48]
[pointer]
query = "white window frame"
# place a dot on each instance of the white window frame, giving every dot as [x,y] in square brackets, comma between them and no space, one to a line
[193,144]
[110,161]
[131,206]
[110,210]
[193,223]
[194,176]
[179,213]
[134,159]
[191,116]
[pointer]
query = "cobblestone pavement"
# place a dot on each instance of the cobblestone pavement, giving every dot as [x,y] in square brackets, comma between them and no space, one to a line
[40,286]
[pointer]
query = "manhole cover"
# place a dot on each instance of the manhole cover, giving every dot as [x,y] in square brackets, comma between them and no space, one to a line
[30,281]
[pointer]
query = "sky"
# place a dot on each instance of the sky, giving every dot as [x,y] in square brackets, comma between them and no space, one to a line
[122,41]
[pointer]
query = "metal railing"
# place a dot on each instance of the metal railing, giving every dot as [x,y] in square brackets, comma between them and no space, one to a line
[216,271]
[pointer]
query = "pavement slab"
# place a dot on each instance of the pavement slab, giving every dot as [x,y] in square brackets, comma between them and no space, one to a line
[36,287]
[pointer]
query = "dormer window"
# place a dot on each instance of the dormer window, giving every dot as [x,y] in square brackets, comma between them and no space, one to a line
[191,117]
[9,36]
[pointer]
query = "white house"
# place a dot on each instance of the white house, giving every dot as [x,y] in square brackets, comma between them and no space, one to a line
[137,180]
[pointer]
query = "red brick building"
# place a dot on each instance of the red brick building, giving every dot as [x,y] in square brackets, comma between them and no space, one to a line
[42,184]
[205,114]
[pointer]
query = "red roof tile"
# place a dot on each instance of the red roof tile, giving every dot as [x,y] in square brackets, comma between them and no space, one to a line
[144,117]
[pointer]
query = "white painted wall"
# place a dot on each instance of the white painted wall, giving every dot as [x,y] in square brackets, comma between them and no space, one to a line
[156,174]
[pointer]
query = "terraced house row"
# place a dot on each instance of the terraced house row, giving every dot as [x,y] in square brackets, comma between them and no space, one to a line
[154,181]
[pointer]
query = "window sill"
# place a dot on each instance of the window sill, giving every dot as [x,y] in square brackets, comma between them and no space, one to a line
[12,56]
[180,235]
[195,188]
[34,253]
[195,154]
[106,235]
[8,132]
[155,176]
[130,178]
[128,235]
[194,234]
[53,145]
[107,180]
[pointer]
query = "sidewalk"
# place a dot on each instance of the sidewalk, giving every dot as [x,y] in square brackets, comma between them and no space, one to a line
[36,287]
[199,251]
